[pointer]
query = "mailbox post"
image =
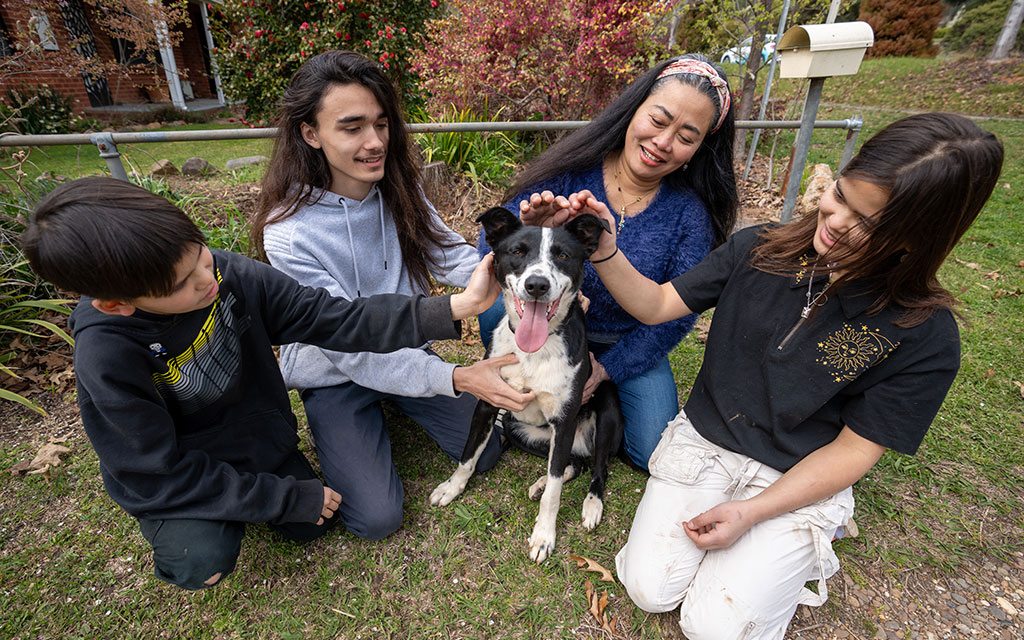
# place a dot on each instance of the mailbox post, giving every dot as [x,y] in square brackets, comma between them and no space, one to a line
[817,51]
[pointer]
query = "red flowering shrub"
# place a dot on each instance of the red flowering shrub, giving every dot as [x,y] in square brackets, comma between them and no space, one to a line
[260,44]
[529,58]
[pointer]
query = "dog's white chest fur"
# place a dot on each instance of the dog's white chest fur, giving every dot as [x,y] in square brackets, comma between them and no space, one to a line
[546,372]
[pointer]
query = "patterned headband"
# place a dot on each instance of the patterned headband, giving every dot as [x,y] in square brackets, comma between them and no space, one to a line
[703,69]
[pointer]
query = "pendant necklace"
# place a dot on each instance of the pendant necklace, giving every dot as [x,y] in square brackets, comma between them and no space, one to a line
[812,301]
[622,209]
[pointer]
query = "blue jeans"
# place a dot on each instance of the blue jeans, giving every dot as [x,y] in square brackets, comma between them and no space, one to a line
[351,438]
[649,400]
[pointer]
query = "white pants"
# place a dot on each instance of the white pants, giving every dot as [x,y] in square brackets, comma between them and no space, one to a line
[748,590]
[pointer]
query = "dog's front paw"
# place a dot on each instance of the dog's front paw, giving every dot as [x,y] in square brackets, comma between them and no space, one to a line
[536,489]
[445,492]
[542,543]
[593,509]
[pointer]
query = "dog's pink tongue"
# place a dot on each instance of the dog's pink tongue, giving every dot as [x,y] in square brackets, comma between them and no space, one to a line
[532,330]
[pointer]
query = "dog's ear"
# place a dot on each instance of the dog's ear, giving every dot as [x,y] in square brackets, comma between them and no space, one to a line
[587,228]
[498,223]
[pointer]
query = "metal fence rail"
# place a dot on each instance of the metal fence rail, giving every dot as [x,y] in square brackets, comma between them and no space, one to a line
[106,142]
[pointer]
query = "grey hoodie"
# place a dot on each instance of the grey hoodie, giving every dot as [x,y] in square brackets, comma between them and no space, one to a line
[350,247]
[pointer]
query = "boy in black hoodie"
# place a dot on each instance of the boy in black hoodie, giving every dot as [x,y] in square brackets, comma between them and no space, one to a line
[179,390]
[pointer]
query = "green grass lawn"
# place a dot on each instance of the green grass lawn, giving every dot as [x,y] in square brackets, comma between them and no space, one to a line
[72,564]
[84,160]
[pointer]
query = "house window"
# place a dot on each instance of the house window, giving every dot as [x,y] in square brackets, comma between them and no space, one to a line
[6,44]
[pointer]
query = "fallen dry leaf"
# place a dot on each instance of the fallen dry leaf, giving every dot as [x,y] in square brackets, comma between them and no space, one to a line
[609,626]
[993,275]
[589,565]
[602,603]
[49,454]
[591,598]
[984,286]
[969,265]
[1002,293]
[1020,387]
[989,373]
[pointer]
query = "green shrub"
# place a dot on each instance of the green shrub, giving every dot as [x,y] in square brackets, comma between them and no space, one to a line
[24,298]
[978,27]
[260,44]
[485,156]
[35,110]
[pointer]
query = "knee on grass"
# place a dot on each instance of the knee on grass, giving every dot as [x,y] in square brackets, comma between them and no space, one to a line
[376,524]
[646,586]
[197,568]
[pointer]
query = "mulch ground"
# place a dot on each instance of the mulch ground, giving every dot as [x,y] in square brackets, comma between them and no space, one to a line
[985,600]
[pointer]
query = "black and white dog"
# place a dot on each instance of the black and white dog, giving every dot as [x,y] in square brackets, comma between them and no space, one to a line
[540,271]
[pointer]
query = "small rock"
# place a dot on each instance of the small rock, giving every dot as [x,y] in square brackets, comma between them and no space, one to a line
[238,163]
[820,179]
[1005,605]
[959,598]
[163,167]
[154,125]
[197,167]
[998,613]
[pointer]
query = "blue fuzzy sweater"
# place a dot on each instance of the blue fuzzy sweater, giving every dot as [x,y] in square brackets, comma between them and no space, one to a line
[667,238]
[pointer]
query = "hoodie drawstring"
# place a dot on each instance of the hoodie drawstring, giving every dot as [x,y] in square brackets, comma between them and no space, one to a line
[351,246]
[383,233]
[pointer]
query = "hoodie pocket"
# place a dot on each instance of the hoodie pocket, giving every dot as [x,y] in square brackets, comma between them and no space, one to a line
[254,443]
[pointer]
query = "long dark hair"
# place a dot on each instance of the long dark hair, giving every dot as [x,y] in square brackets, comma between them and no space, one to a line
[939,169]
[709,173]
[297,169]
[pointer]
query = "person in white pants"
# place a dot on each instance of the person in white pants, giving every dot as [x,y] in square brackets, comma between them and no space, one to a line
[735,591]
[832,341]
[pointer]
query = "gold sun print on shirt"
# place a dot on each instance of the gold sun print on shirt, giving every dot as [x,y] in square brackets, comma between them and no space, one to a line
[849,351]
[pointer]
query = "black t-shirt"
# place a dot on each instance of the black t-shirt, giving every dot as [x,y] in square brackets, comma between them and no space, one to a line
[840,367]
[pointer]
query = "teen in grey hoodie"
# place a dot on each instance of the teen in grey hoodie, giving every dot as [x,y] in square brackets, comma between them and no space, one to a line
[342,208]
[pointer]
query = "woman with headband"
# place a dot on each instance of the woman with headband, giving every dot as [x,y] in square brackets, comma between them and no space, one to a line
[660,157]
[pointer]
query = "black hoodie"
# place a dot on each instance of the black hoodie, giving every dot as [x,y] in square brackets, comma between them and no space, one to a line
[188,413]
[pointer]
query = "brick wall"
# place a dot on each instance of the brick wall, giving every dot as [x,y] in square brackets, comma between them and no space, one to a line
[138,88]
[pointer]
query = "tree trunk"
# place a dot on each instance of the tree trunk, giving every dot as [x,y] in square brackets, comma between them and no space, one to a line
[673,26]
[1009,33]
[749,85]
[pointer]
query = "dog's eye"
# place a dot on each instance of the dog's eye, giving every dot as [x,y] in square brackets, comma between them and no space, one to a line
[516,251]
[562,255]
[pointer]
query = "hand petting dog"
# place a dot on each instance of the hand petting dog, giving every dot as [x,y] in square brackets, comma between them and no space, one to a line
[484,381]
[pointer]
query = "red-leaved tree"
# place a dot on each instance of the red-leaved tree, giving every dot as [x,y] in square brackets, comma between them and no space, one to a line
[902,27]
[535,58]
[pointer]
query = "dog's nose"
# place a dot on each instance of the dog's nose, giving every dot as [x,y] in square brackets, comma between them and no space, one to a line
[537,286]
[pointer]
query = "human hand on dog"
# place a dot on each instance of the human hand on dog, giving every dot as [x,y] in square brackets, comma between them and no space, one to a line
[598,374]
[480,293]
[332,500]
[585,202]
[484,381]
[545,209]
[719,526]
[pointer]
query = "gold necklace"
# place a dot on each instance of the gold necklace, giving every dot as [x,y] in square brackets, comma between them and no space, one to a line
[622,209]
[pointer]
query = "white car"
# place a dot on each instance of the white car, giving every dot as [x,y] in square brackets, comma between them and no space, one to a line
[738,55]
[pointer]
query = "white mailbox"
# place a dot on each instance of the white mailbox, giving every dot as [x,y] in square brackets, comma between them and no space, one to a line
[823,50]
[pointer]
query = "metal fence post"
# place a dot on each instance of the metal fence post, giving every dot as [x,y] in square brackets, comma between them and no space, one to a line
[104,141]
[800,148]
[856,124]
